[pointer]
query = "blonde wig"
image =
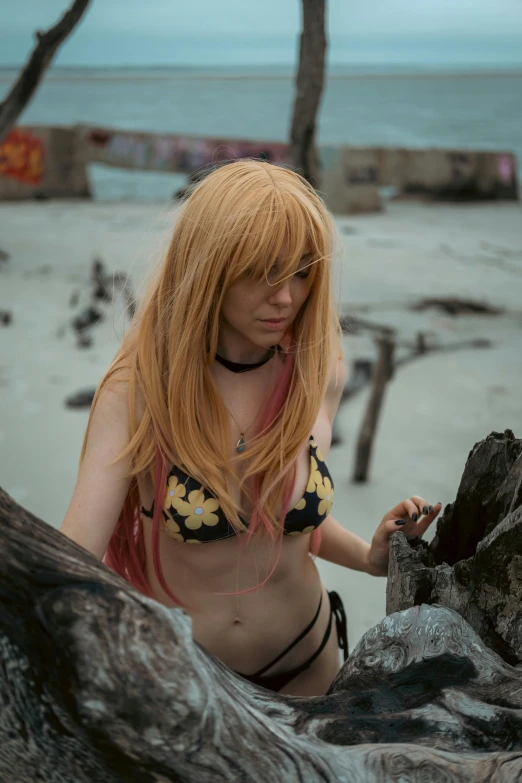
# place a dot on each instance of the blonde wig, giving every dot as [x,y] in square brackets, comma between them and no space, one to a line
[236,222]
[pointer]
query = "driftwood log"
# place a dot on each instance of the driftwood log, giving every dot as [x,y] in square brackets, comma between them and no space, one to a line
[474,563]
[98,683]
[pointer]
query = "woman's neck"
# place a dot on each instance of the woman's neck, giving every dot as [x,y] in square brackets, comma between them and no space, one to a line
[241,351]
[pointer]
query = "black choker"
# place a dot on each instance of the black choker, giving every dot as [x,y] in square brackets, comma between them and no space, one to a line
[239,367]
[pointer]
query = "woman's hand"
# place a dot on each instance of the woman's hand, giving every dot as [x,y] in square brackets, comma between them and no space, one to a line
[413,516]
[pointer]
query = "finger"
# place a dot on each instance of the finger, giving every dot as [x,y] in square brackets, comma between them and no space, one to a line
[413,508]
[422,505]
[392,525]
[426,521]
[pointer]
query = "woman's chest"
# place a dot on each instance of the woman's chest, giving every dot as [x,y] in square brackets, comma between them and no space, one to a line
[310,464]
[192,514]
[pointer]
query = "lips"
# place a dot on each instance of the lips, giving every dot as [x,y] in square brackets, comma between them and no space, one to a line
[274,324]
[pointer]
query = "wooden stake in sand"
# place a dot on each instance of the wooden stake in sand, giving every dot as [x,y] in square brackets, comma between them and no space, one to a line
[382,373]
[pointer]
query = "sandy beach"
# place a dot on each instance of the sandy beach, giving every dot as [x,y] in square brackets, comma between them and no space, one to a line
[435,408]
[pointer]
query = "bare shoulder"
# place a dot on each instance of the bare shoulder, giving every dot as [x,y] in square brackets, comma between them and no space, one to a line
[104,475]
[336,381]
[114,401]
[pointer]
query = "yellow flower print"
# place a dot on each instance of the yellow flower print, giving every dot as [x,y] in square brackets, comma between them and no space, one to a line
[299,506]
[309,529]
[198,510]
[171,528]
[175,491]
[326,493]
[315,476]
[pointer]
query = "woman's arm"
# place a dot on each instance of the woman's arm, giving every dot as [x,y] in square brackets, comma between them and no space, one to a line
[344,548]
[336,382]
[101,488]
[412,516]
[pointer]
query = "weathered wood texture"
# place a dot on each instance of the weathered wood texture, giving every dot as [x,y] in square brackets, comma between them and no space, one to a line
[32,73]
[100,683]
[474,564]
[309,88]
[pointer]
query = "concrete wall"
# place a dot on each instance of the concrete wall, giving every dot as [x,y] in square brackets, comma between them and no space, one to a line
[353,176]
[52,162]
[162,152]
[351,179]
[42,162]
[450,174]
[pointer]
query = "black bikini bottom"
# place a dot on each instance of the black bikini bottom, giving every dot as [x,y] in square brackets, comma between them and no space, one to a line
[275,682]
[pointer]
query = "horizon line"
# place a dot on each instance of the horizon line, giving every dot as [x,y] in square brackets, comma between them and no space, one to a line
[351,71]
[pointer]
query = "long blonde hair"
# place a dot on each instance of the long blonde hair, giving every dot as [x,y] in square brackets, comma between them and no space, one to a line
[235,222]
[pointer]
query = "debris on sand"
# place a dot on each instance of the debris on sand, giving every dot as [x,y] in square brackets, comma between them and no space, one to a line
[82,322]
[74,299]
[105,284]
[454,306]
[81,399]
[88,317]
[84,340]
[102,283]
[102,290]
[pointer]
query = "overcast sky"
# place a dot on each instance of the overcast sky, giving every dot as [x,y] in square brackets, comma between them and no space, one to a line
[243,32]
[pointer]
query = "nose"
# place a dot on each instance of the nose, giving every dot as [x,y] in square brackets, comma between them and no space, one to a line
[281,295]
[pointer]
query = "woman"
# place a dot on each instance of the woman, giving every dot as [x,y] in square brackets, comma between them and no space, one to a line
[210,427]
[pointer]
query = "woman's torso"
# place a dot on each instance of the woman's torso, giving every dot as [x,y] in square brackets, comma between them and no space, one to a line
[246,629]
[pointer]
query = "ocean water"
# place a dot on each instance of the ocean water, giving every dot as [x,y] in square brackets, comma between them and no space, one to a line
[407,108]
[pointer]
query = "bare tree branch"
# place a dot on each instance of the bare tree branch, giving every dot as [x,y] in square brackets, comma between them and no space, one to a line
[40,59]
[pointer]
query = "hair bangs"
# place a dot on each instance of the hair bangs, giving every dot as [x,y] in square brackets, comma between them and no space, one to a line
[305,239]
[277,237]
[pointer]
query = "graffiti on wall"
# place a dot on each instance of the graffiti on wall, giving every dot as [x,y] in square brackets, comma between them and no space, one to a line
[22,157]
[506,168]
[176,153]
[362,175]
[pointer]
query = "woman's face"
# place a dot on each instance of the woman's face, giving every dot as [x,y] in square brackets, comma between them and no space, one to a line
[256,314]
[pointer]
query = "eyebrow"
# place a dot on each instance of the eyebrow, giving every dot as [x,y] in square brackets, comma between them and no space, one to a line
[304,259]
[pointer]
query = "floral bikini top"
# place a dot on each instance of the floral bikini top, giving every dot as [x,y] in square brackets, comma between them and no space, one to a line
[192,515]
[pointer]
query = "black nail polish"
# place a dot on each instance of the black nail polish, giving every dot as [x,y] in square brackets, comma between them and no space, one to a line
[439,503]
[431,509]
[425,510]
[400,521]
[415,517]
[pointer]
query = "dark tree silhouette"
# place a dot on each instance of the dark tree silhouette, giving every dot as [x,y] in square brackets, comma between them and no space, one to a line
[31,75]
[309,87]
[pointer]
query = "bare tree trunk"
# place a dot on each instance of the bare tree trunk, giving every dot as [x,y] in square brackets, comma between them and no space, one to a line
[40,59]
[309,86]
[381,375]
